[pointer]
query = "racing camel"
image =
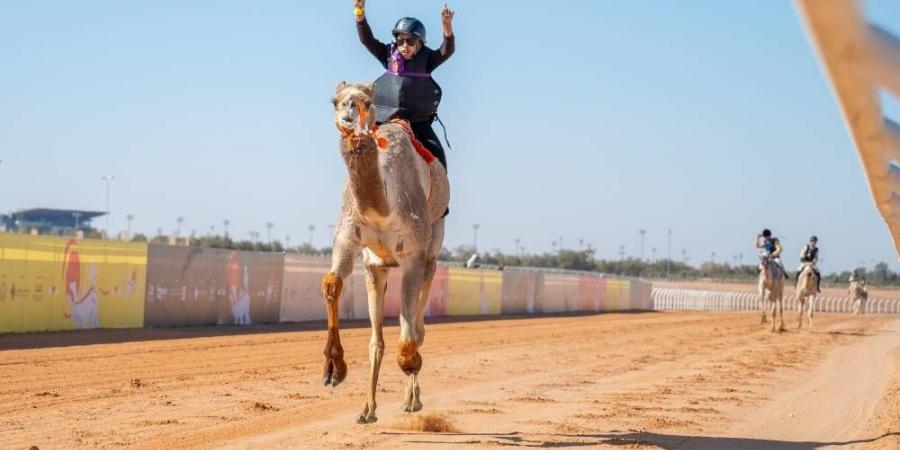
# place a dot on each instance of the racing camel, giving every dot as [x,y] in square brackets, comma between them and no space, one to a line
[391,212]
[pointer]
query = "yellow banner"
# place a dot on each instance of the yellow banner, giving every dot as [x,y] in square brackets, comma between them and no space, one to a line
[473,291]
[56,283]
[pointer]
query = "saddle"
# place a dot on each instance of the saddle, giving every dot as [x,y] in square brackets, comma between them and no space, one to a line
[416,143]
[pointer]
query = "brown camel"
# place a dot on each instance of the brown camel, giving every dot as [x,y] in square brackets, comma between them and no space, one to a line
[391,212]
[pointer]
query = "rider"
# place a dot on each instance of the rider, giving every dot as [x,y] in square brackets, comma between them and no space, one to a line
[810,256]
[857,281]
[407,91]
[771,248]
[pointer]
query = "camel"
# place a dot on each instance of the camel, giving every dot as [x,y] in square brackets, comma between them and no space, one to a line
[771,280]
[860,296]
[392,211]
[806,293]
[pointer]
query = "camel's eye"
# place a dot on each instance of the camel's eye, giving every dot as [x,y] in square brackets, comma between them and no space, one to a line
[368,104]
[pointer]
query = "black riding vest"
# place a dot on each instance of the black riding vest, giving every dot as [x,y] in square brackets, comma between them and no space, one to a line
[406,90]
[809,254]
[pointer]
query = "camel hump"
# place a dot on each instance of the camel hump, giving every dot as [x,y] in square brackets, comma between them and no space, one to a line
[397,137]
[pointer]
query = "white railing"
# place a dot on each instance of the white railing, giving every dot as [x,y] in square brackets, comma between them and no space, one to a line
[861,59]
[677,299]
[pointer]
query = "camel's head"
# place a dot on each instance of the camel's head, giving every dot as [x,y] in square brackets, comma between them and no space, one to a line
[354,113]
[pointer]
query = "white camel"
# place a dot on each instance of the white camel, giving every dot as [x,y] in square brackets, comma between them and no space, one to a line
[860,295]
[771,282]
[391,212]
[806,291]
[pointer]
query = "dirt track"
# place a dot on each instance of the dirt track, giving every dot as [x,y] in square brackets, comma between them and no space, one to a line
[651,380]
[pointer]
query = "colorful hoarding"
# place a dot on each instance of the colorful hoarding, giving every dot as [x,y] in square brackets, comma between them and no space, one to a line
[473,291]
[203,286]
[56,283]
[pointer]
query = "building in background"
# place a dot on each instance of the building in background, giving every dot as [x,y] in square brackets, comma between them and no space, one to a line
[59,222]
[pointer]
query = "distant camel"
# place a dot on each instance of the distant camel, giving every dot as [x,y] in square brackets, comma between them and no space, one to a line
[806,292]
[392,212]
[860,296]
[771,281]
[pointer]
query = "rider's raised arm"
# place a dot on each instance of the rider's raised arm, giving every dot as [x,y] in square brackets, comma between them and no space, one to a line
[448,46]
[377,48]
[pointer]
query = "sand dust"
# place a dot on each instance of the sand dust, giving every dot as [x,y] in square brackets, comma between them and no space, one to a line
[648,380]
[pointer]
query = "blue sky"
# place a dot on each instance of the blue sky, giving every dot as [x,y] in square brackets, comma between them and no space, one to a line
[581,120]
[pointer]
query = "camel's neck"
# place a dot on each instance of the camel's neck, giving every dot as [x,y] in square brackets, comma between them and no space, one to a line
[366,184]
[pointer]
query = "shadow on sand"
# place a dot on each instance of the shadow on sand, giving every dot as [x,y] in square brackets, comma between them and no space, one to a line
[633,439]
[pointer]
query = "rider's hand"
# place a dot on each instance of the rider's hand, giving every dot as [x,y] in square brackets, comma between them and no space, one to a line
[359,6]
[447,20]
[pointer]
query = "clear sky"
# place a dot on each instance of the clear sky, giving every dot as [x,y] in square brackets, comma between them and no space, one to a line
[581,120]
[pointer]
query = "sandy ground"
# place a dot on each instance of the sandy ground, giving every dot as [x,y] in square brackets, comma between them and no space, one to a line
[649,380]
[828,291]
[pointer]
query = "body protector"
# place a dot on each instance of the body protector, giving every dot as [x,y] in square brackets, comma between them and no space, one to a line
[406,90]
[810,254]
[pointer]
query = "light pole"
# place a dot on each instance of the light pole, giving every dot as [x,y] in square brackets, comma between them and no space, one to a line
[129,217]
[712,257]
[669,254]
[475,228]
[225,224]
[107,179]
[311,229]
[77,216]
[653,252]
[180,221]
[287,242]
[621,253]
[517,240]
[269,226]
[684,257]
[642,232]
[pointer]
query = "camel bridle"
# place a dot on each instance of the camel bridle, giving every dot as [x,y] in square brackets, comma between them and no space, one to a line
[354,137]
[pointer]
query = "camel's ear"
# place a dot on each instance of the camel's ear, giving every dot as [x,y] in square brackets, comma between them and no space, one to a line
[340,86]
[368,88]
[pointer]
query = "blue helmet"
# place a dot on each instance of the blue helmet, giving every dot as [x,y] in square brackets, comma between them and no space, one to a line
[410,25]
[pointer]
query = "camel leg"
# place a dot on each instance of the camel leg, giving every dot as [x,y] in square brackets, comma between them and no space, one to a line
[812,302]
[408,357]
[341,267]
[780,304]
[774,314]
[802,301]
[376,285]
[762,302]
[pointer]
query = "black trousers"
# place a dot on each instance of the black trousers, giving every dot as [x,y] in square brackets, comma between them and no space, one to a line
[425,134]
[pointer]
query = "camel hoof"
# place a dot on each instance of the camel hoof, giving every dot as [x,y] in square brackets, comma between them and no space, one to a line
[335,372]
[416,406]
[364,419]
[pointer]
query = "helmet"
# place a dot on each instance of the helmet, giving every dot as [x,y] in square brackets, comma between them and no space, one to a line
[767,233]
[813,238]
[410,25]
